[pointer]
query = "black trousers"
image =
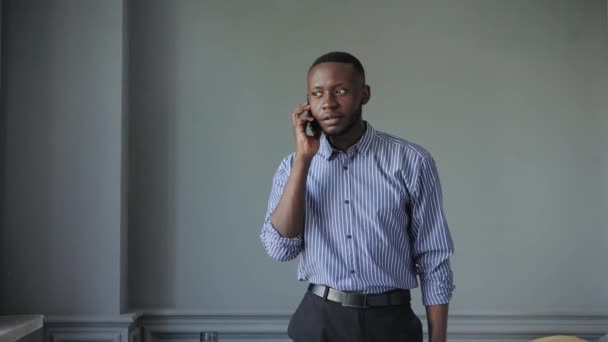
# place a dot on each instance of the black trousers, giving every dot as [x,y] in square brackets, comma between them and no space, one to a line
[317,320]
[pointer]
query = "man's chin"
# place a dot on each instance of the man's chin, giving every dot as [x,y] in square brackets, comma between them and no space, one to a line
[333,131]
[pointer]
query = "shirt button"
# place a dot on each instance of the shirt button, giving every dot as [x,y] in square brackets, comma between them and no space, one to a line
[352,271]
[347,201]
[345,167]
[349,236]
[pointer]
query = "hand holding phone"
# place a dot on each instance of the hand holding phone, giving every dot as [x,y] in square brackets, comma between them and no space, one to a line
[306,130]
[312,129]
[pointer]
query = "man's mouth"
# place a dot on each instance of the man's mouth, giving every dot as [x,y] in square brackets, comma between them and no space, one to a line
[332,119]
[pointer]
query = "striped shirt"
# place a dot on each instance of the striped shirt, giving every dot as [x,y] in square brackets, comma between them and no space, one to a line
[373,219]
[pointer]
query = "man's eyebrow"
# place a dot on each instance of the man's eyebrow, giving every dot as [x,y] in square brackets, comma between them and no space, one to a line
[333,86]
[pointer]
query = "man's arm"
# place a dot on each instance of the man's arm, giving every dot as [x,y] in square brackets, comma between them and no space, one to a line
[437,319]
[277,246]
[284,223]
[432,248]
[288,217]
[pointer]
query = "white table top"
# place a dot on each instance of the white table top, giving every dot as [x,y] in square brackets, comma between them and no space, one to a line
[12,328]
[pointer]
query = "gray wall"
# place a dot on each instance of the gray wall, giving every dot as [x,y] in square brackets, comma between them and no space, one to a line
[60,235]
[2,128]
[601,108]
[124,218]
[601,87]
[602,90]
[507,96]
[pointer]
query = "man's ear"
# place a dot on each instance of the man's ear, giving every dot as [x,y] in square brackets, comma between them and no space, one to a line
[367,93]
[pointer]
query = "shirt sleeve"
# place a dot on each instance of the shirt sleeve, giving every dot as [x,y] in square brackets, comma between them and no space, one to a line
[277,246]
[433,244]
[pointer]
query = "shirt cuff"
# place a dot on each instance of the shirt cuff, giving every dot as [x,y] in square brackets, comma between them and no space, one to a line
[280,247]
[436,292]
[277,238]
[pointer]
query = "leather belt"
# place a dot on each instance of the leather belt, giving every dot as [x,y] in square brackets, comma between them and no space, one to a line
[361,300]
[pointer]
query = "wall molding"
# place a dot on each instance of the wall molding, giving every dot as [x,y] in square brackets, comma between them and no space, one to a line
[78,328]
[172,325]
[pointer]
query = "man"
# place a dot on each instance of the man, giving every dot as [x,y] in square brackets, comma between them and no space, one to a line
[364,210]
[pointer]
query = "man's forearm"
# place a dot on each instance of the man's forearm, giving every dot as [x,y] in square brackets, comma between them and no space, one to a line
[288,216]
[437,317]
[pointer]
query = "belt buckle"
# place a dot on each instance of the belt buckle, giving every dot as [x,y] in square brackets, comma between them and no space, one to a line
[354,300]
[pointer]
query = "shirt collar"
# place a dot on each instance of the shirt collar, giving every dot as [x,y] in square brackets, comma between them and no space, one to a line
[362,145]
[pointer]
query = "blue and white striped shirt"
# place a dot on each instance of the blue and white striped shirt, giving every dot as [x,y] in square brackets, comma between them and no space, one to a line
[373,219]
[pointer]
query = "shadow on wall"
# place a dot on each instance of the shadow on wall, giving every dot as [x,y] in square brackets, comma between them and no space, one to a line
[152,165]
[26,173]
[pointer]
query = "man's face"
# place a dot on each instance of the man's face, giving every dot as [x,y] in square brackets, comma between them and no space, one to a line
[336,93]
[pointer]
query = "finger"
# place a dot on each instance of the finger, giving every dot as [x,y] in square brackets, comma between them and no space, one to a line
[294,118]
[297,113]
[307,117]
[298,108]
[301,123]
[301,109]
[303,120]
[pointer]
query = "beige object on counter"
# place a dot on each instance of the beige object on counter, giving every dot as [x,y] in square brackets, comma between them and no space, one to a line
[560,338]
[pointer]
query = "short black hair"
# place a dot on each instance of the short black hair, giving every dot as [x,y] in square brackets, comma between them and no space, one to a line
[340,57]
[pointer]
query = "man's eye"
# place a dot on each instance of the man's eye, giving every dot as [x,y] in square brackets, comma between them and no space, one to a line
[317,94]
[341,91]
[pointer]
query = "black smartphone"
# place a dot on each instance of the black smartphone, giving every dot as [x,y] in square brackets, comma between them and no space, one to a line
[313,128]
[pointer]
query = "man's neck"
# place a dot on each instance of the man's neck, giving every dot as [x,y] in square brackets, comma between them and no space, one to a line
[345,141]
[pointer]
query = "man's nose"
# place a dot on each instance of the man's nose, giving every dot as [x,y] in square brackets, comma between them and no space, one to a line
[329,101]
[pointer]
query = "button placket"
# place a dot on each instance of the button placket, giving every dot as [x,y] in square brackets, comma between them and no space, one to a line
[348,203]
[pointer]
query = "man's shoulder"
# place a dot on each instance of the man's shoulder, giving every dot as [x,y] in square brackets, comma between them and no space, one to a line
[391,142]
[287,161]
